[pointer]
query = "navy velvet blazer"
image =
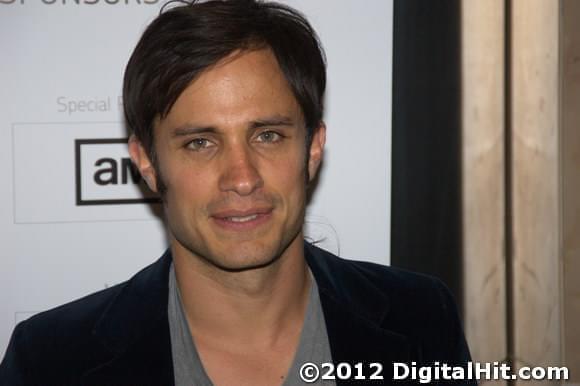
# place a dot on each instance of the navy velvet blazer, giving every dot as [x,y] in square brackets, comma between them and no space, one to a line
[120,336]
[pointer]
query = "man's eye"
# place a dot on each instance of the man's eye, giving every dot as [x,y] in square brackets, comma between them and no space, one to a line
[198,144]
[269,137]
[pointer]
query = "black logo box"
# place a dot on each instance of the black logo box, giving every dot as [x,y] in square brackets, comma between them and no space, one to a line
[78,170]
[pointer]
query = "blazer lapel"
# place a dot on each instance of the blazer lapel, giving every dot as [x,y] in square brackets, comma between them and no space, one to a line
[135,330]
[354,339]
[354,312]
[147,361]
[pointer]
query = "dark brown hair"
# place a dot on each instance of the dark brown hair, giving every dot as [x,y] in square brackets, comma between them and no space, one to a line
[186,39]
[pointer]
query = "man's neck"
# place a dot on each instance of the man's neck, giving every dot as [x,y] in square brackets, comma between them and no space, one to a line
[251,309]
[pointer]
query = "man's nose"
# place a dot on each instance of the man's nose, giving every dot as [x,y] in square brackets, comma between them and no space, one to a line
[240,173]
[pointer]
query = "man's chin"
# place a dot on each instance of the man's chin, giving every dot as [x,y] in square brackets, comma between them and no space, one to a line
[237,261]
[237,256]
[230,266]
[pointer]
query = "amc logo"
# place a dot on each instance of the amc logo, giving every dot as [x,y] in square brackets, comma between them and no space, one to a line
[106,176]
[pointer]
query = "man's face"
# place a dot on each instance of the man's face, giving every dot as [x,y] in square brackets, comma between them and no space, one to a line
[232,155]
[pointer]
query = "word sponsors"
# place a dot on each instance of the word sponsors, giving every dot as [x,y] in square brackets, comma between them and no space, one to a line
[79,2]
[312,372]
[474,371]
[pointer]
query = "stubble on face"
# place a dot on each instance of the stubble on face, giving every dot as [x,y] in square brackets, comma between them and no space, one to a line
[228,97]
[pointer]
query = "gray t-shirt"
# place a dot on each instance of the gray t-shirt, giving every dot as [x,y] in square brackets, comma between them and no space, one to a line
[188,369]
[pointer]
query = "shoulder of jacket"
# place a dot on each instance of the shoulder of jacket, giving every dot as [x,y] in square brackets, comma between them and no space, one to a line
[384,277]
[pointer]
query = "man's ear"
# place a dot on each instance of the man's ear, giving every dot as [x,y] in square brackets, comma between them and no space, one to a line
[141,160]
[316,150]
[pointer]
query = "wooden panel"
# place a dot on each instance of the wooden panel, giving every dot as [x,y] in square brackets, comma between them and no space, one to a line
[483,178]
[535,183]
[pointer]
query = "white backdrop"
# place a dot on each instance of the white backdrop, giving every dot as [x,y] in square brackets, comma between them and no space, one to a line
[60,83]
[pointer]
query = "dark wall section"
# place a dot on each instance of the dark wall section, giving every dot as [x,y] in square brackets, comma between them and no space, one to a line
[426,200]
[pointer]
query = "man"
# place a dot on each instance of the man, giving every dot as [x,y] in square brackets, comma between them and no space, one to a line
[225,103]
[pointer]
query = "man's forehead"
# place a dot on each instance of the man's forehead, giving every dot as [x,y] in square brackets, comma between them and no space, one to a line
[246,88]
[245,65]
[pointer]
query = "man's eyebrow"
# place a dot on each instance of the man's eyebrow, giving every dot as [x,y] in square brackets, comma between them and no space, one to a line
[273,121]
[186,130]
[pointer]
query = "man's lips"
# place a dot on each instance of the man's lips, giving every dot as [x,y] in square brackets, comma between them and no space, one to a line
[238,219]
[222,214]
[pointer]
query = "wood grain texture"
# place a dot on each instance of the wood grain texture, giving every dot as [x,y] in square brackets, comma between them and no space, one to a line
[536,183]
[483,178]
